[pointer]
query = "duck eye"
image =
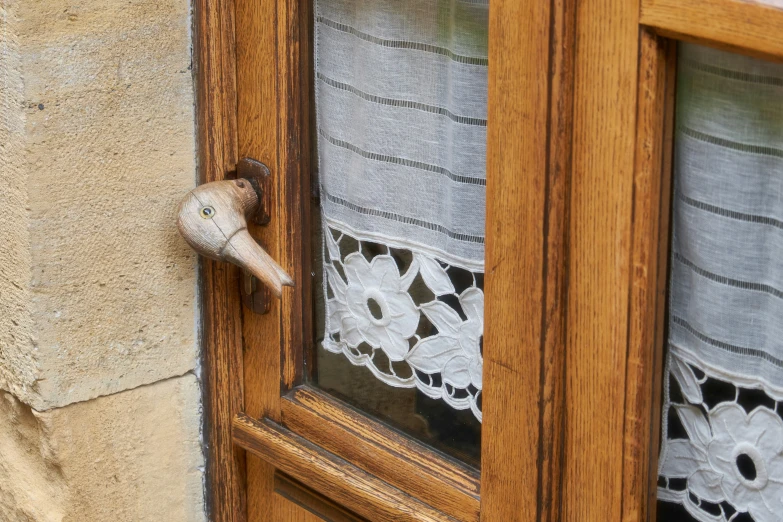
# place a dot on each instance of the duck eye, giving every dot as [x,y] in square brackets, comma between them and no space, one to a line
[207,212]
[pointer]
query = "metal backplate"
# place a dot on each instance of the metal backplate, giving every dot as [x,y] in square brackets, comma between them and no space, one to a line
[255,295]
[259,176]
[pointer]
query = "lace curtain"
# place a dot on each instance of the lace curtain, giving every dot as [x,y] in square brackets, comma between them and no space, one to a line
[401,102]
[722,445]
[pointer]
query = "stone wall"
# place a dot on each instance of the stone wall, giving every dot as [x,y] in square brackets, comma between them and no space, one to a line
[100,408]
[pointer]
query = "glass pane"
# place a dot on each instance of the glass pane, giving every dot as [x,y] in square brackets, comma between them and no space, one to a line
[401,104]
[722,444]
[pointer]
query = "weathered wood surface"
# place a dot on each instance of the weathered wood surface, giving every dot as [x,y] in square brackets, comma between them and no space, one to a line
[578,203]
[329,475]
[599,272]
[221,308]
[269,118]
[386,453]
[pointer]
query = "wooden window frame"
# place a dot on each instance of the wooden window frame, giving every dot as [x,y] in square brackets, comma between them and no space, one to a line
[611,452]
[578,210]
[745,27]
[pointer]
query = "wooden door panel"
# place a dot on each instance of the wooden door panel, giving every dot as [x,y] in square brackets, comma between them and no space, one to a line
[317,506]
[272,69]
[405,463]
[266,501]
[290,512]
[330,475]
[257,122]
[648,276]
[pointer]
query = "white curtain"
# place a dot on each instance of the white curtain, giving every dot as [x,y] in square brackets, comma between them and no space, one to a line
[722,451]
[401,101]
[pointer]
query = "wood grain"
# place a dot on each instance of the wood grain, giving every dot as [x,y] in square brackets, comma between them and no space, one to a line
[528,158]
[661,301]
[329,475]
[293,85]
[605,91]
[272,78]
[391,456]
[288,511]
[258,137]
[552,409]
[315,503]
[647,286]
[749,27]
[273,68]
[221,316]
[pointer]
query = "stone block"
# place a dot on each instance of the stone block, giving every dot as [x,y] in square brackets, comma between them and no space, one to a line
[134,456]
[105,287]
[17,362]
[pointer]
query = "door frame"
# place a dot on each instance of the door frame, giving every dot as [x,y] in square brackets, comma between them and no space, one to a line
[221,321]
[540,352]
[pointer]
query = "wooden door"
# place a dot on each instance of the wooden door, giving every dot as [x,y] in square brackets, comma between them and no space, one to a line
[256,57]
[578,197]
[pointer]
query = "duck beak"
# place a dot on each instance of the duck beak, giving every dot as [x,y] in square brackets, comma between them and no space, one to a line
[244,251]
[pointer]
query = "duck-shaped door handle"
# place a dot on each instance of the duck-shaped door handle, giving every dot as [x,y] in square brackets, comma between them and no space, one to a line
[213,220]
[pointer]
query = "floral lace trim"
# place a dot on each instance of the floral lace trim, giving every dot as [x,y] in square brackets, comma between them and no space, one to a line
[412,320]
[722,451]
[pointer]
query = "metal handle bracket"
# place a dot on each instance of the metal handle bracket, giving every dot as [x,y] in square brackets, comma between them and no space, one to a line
[261,180]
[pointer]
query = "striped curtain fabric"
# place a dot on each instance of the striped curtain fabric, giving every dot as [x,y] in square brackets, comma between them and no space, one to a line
[722,451]
[401,102]
[401,94]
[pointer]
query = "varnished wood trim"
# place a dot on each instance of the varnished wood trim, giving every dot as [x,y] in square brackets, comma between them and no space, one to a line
[391,456]
[647,285]
[552,407]
[735,25]
[221,315]
[293,102]
[600,255]
[273,71]
[531,70]
[257,122]
[329,475]
[313,502]
[664,273]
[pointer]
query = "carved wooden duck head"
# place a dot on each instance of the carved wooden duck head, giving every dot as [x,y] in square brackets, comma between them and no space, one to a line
[212,219]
